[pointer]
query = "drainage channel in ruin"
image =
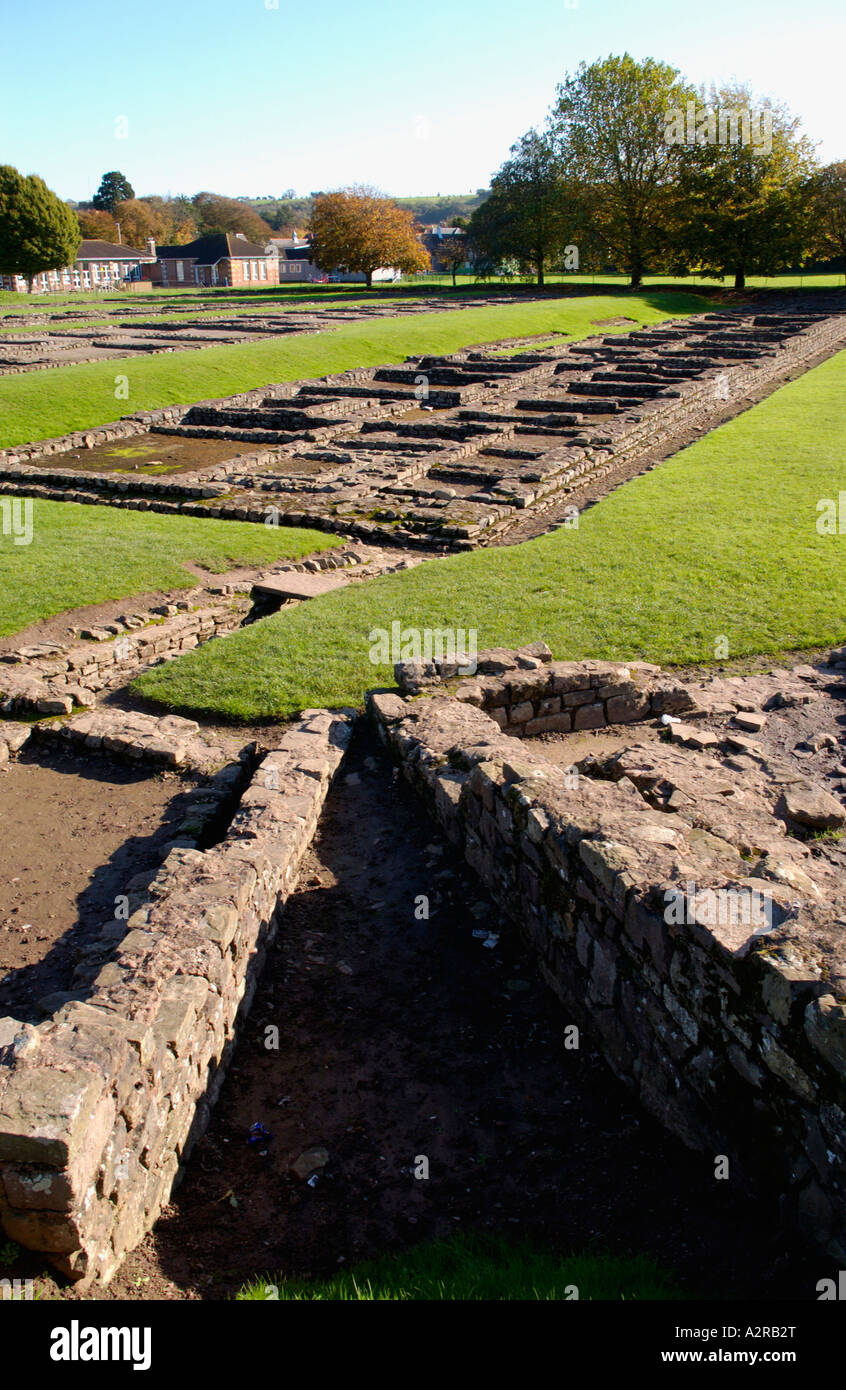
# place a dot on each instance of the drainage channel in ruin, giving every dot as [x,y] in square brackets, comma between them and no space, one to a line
[401,1037]
[76,830]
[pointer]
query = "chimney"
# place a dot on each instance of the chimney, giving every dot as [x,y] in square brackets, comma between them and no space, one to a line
[151,245]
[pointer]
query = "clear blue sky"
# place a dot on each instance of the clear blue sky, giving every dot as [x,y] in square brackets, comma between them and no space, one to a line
[239,97]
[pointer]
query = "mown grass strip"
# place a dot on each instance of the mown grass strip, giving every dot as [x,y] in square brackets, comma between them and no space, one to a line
[81,555]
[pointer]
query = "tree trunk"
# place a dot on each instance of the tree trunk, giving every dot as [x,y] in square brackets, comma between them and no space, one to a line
[540,272]
[370,279]
[454,268]
[740,279]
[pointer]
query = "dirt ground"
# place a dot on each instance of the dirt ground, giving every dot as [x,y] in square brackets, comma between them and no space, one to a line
[148,454]
[75,830]
[401,1037]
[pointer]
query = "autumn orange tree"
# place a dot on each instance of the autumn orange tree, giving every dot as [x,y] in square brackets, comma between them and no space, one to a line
[96,225]
[359,229]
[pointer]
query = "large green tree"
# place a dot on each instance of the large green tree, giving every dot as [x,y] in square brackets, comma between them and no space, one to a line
[114,188]
[828,203]
[609,128]
[743,206]
[38,231]
[526,216]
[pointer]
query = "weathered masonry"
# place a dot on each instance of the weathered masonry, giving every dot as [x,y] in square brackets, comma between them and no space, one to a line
[101,1104]
[730,1029]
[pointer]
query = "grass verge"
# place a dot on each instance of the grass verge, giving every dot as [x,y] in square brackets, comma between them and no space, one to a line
[83,554]
[721,541]
[474,1268]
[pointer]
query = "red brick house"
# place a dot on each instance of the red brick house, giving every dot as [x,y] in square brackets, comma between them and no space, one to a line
[223,258]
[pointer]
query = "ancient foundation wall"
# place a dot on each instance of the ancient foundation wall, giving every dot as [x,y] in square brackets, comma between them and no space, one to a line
[101,1104]
[653,421]
[735,1040]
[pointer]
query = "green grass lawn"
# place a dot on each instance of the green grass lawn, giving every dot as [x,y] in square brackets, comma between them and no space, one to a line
[478,1268]
[85,554]
[815,280]
[720,541]
[41,405]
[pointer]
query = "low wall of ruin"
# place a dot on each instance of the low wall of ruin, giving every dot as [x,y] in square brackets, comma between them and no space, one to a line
[101,1104]
[732,1035]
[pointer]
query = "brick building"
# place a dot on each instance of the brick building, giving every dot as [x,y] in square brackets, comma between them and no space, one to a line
[223,258]
[99,265]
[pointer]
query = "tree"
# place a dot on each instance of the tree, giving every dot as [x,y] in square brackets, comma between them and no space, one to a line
[452,250]
[359,229]
[37,230]
[138,220]
[217,214]
[96,225]
[114,188]
[175,219]
[828,195]
[526,214]
[743,205]
[608,128]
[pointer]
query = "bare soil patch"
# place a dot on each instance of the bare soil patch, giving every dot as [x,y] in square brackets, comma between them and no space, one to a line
[75,831]
[149,454]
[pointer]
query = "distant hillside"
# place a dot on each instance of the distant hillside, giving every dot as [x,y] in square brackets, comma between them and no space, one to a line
[444,207]
[285,213]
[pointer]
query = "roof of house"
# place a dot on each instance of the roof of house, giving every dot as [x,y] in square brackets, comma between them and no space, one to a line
[107,251]
[299,250]
[208,250]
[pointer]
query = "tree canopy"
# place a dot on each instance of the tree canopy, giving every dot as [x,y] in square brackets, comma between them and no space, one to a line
[742,205]
[828,192]
[38,231]
[609,127]
[114,188]
[215,213]
[527,217]
[360,229]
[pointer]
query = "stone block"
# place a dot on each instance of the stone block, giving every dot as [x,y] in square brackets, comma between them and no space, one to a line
[45,1113]
[589,717]
[550,724]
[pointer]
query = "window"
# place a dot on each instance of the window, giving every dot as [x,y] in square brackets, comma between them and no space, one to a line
[246,265]
[263,269]
[180,270]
